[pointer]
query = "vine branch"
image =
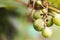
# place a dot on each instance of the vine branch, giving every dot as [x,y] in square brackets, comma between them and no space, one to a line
[45,4]
[49,7]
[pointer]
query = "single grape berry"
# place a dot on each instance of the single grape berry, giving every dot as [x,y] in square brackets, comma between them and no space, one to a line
[49,21]
[36,14]
[44,11]
[47,33]
[38,5]
[38,25]
[56,19]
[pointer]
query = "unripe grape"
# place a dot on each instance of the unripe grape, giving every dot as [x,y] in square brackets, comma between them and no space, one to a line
[47,33]
[49,21]
[56,19]
[38,24]
[37,15]
[44,11]
[38,5]
[38,2]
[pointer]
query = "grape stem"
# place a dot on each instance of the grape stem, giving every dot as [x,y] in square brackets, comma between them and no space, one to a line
[49,7]
[51,15]
[45,4]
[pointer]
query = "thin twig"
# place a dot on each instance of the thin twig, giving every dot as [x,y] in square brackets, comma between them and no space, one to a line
[49,7]
[54,9]
[45,4]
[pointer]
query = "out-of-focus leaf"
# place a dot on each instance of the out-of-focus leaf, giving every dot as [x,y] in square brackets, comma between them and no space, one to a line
[55,3]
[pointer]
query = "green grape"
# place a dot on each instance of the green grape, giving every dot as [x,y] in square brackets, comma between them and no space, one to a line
[38,25]
[37,15]
[49,21]
[38,2]
[47,33]
[56,19]
[38,5]
[44,11]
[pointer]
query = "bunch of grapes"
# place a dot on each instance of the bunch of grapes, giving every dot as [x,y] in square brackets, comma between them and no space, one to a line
[43,19]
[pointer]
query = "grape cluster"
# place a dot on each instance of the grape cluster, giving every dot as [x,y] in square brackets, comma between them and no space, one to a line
[38,24]
[40,15]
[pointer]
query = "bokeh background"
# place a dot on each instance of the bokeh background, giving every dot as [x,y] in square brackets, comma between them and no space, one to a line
[15,26]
